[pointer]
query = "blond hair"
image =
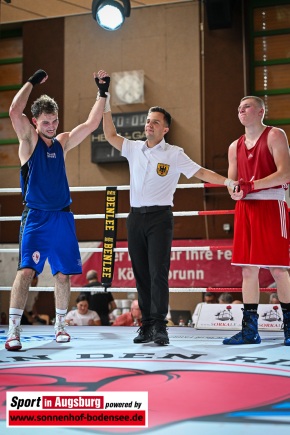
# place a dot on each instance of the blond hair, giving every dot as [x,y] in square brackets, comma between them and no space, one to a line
[258,100]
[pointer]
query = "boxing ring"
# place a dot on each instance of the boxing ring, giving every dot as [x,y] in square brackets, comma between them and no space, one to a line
[194,385]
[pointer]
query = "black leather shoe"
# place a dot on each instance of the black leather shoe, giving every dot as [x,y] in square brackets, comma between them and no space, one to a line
[145,334]
[160,335]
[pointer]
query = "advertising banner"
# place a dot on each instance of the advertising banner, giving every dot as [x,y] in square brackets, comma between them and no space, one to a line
[208,267]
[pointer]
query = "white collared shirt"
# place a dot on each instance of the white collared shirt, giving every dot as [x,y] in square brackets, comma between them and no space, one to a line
[154,172]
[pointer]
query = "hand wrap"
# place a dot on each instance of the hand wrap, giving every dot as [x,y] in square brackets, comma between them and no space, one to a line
[246,187]
[229,183]
[37,77]
[103,87]
[107,107]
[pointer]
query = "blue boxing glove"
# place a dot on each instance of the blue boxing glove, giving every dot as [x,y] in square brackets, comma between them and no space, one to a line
[37,77]
[245,186]
[103,87]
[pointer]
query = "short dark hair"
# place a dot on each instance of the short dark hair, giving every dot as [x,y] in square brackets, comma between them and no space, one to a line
[225,298]
[82,297]
[44,104]
[166,114]
[92,274]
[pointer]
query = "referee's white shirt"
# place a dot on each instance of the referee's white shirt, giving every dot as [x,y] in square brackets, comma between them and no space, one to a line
[147,186]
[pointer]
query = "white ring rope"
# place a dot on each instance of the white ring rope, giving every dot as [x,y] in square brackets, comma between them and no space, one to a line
[174,248]
[124,215]
[103,188]
[133,289]
[118,289]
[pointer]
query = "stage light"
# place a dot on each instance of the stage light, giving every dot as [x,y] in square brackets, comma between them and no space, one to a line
[110,14]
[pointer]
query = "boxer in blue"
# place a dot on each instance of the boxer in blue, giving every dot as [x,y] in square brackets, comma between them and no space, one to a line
[47,226]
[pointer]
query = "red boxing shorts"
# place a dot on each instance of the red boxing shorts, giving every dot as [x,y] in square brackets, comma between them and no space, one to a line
[261,233]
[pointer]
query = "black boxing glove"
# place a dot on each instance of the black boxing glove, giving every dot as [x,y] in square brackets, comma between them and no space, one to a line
[103,87]
[37,77]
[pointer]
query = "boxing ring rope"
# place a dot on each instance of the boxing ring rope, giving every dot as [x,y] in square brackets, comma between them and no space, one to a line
[124,215]
[134,290]
[122,187]
[173,248]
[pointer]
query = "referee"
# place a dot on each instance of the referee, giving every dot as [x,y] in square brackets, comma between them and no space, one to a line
[155,167]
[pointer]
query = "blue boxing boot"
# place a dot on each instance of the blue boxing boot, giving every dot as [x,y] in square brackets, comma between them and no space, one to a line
[286,327]
[249,333]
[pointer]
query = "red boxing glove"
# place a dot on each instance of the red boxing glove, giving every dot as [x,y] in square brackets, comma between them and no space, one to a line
[246,187]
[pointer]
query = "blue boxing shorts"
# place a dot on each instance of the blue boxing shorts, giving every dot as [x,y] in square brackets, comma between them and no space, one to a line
[49,235]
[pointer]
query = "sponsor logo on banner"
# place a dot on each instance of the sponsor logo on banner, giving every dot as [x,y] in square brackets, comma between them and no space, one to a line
[230,316]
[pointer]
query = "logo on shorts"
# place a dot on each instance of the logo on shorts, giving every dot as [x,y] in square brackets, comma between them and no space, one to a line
[162,169]
[36,257]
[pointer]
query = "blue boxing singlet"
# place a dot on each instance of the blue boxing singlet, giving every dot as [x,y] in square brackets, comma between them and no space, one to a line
[43,178]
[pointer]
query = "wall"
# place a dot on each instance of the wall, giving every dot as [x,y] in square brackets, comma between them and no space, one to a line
[153,39]
[224,76]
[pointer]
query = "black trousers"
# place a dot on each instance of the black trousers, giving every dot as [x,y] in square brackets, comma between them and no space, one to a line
[149,244]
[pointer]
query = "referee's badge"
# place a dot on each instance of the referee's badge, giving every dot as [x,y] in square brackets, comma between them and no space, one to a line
[162,169]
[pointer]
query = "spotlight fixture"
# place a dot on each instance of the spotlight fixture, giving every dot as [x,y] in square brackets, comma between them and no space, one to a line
[110,14]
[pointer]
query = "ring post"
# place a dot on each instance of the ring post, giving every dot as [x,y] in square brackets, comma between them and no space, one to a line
[110,236]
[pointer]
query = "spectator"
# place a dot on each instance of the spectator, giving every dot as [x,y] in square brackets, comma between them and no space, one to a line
[82,316]
[209,298]
[225,298]
[100,301]
[132,318]
[273,299]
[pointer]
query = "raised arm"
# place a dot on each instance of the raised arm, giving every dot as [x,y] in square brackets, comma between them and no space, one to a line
[110,131]
[109,128]
[71,139]
[25,131]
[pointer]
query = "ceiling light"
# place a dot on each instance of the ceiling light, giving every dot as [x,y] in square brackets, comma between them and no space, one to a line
[110,14]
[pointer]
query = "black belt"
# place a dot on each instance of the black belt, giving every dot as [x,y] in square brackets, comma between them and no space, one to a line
[67,208]
[150,209]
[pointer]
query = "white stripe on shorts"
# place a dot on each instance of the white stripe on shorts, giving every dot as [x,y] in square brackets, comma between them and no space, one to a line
[283,219]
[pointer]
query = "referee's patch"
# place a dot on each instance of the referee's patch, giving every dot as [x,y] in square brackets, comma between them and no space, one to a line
[162,169]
